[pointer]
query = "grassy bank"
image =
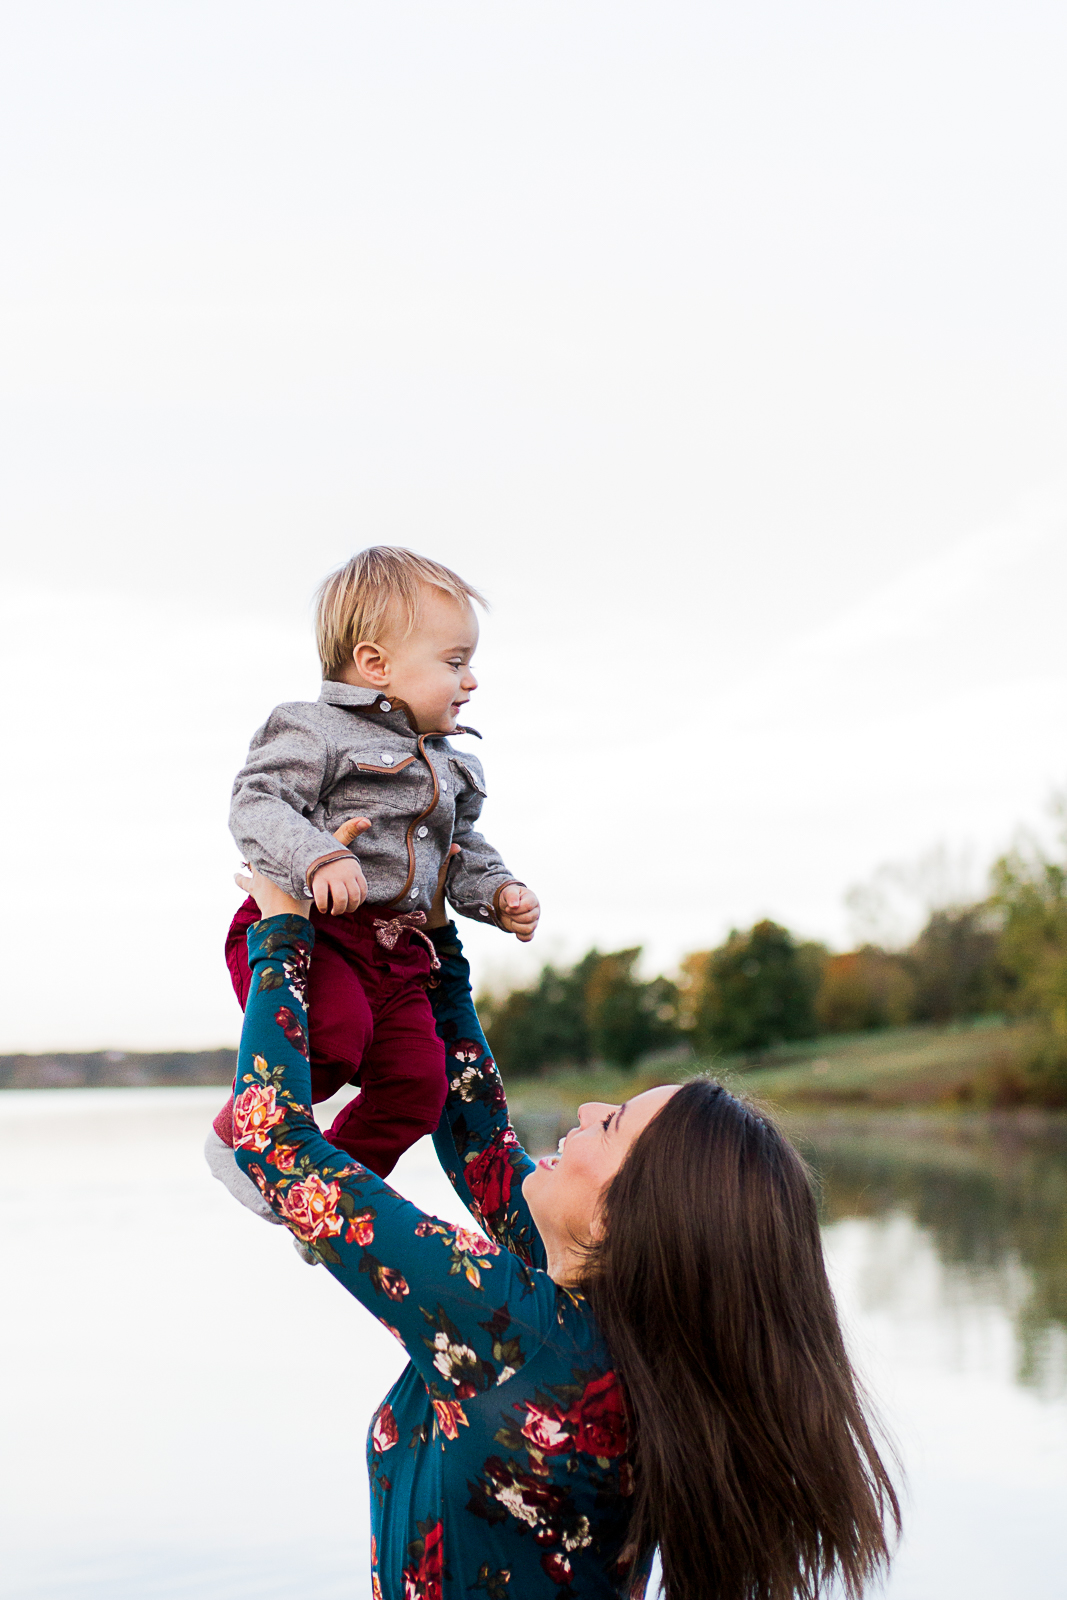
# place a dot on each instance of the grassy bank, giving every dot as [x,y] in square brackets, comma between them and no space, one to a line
[973,1065]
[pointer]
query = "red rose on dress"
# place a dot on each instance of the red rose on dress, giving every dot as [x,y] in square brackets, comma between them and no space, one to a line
[255,1112]
[283,1156]
[310,1208]
[360,1230]
[599,1418]
[489,1176]
[557,1566]
[292,1029]
[423,1581]
[545,1431]
[384,1434]
[465,1050]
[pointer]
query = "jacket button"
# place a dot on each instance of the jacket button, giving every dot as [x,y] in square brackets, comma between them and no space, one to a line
[444,785]
[414,895]
[482,911]
[387,759]
[422,833]
[383,705]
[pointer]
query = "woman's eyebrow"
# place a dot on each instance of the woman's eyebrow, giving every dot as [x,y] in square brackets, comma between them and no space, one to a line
[618,1119]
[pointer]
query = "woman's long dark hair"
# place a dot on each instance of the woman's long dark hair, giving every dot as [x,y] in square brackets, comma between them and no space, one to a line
[755,1470]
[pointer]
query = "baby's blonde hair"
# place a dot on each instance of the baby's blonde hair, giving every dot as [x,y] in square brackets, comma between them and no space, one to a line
[377,590]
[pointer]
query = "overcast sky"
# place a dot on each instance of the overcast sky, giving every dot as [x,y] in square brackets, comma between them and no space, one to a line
[722,347]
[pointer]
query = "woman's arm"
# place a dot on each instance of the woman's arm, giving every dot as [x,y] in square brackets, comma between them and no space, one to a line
[468,1313]
[475,1141]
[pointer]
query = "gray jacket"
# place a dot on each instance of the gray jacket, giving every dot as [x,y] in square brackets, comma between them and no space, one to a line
[354,753]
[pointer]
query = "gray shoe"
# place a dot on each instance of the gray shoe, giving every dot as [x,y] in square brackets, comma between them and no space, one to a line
[305,1252]
[220,1159]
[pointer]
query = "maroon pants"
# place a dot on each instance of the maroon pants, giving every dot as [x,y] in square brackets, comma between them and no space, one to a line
[369,1022]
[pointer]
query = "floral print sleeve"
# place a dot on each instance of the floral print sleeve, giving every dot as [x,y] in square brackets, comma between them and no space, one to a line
[467,1311]
[475,1142]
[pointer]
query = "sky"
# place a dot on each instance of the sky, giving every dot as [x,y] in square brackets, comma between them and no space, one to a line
[723,348]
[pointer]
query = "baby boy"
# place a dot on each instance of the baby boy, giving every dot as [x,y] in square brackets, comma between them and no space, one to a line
[371,761]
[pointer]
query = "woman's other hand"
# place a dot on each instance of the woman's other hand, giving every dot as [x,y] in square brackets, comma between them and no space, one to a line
[438,916]
[272,901]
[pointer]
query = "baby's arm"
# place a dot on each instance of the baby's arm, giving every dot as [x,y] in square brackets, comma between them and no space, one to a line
[479,884]
[289,765]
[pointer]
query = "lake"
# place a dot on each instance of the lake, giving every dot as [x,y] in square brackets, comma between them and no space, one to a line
[185,1401]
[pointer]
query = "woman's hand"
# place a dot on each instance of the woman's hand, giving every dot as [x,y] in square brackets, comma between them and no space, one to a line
[274,902]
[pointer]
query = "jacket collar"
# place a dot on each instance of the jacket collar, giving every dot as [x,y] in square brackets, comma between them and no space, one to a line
[374,705]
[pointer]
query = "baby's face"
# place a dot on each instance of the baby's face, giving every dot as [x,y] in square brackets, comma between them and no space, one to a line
[431,669]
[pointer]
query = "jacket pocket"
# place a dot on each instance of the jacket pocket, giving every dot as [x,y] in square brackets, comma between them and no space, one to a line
[375,790]
[470,775]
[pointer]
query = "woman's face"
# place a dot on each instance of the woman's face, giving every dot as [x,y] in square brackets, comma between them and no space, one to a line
[563,1191]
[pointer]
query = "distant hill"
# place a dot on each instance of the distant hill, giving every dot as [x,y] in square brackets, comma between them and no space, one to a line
[116,1069]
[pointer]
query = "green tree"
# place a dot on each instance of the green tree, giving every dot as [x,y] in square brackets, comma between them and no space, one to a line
[595,1010]
[956,964]
[756,990]
[1030,892]
[544,1026]
[865,988]
[628,1018]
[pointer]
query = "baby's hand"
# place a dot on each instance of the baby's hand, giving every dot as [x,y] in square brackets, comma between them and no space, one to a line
[340,886]
[518,909]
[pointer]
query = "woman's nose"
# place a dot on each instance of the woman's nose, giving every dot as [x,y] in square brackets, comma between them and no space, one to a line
[591,1109]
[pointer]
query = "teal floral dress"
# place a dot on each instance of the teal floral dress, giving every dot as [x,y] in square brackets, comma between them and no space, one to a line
[498,1461]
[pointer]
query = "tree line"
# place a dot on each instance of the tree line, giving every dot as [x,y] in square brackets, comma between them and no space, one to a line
[1004,954]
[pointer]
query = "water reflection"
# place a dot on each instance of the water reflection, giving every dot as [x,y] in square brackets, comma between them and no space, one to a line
[138,1347]
[990,1195]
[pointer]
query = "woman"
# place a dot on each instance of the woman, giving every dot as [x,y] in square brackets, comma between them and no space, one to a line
[644,1351]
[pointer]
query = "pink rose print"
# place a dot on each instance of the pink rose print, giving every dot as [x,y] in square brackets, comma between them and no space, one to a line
[283,1156]
[450,1417]
[310,1208]
[255,1112]
[475,1244]
[384,1434]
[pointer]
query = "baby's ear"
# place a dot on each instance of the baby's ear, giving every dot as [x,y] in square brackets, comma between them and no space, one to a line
[371,663]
